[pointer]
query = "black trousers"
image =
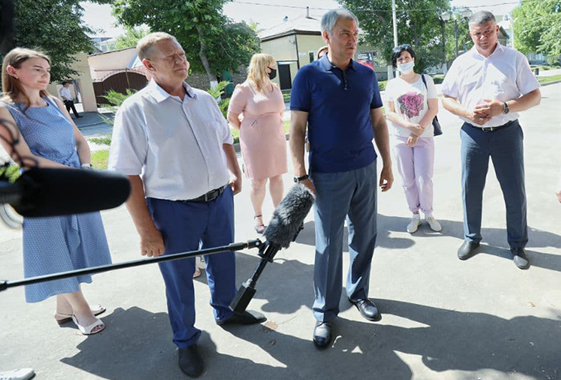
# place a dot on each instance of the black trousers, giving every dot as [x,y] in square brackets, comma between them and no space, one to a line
[70,104]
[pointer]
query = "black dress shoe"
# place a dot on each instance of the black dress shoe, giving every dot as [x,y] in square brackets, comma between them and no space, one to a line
[322,335]
[467,250]
[190,361]
[244,319]
[519,257]
[367,309]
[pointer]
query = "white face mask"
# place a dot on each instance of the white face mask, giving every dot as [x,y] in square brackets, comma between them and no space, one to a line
[406,67]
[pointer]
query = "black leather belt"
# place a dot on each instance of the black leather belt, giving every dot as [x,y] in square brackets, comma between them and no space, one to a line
[210,196]
[491,129]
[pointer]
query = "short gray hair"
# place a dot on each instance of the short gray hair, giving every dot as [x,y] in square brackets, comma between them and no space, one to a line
[144,46]
[329,19]
[481,17]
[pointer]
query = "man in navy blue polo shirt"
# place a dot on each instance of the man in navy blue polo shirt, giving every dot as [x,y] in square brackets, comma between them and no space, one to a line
[339,100]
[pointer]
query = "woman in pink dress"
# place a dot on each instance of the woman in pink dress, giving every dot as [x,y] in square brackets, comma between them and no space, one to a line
[260,104]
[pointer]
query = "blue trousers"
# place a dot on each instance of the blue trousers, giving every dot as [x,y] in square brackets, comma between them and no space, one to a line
[352,195]
[188,226]
[506,149]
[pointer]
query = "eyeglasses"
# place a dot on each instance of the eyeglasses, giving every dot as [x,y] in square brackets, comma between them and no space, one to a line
[401,47]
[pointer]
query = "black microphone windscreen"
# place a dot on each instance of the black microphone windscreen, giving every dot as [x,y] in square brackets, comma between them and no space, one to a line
[289,215]
[54,192]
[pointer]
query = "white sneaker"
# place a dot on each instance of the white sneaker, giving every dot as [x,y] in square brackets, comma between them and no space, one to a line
[17,374]
[414,224]
[433,224]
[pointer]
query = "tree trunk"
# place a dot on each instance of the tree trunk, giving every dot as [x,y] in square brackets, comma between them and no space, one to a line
[211,77]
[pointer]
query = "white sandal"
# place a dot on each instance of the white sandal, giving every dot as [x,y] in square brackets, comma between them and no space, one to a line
[87,330]
[62,318]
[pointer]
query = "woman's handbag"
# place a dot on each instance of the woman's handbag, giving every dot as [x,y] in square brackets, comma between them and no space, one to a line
[435,122]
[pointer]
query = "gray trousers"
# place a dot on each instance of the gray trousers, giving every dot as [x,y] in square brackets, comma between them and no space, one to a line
[341,195]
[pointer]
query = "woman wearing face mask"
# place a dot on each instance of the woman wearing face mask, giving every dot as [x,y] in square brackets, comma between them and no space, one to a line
[411,105]
[262,138]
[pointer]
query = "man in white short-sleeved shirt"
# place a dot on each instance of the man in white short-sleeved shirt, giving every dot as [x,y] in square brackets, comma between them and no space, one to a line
[487,87]
[67,99]
[176,147]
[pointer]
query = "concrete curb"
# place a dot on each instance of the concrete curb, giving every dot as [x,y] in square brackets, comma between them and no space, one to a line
[547,84]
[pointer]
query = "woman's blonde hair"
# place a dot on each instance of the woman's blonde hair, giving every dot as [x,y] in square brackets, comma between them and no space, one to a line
[11,87]
[257,71]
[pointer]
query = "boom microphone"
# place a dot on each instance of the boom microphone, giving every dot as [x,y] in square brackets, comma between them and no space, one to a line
[286,223]
[41,192]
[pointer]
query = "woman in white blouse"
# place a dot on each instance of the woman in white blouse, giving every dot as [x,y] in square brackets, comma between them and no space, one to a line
[411,105]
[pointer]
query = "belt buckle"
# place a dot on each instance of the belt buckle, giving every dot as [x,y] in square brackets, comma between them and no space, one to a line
[212,195]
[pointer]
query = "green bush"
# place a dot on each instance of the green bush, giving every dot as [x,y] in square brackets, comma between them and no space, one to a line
[438,78]
[235,135]
[217,93]
[105,140]
[382,85]
[115,100]
[10,171]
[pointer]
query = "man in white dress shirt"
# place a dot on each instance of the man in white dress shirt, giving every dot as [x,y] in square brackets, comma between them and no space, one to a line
[176,147]
[67,99]
[487,87]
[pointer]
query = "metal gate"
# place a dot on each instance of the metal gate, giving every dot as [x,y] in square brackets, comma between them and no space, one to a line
[119,81]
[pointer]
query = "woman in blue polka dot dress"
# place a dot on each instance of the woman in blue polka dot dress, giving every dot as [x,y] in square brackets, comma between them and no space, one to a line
[49,139]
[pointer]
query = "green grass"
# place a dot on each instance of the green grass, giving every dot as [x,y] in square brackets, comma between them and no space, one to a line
[546,67]
[105,140]
[99,159]
[545,80]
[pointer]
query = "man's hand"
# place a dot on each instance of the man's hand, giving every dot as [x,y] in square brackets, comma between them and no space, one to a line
[386,178]
[412,140]
[479,118]
[490,109]
[309,184]
[152,243]
[236,184]
[416,129]
[559,196]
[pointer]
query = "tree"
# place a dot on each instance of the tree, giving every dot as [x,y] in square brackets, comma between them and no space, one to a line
[537,27]
[54,27]
[199,26]
[418,24]
[130,38]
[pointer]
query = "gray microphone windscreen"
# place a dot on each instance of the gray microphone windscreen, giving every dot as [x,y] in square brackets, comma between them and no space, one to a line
[289,215]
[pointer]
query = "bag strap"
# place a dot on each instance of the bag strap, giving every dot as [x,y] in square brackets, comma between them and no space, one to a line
[424,81]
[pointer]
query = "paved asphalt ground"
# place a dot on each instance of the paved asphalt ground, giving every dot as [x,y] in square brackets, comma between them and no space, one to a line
[442,318]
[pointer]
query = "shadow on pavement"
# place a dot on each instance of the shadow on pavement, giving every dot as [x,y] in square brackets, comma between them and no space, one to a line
[494,239]
[444,339]
[138,343]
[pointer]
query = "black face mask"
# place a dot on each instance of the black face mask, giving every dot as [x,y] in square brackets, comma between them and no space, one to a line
[272,74]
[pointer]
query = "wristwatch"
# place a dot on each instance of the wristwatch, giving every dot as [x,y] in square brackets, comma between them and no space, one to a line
[505,108]
[302,178]
[88,165]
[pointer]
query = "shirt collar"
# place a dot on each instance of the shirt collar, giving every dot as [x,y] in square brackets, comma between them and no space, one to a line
[160,94]
[328,66]
[498,49]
